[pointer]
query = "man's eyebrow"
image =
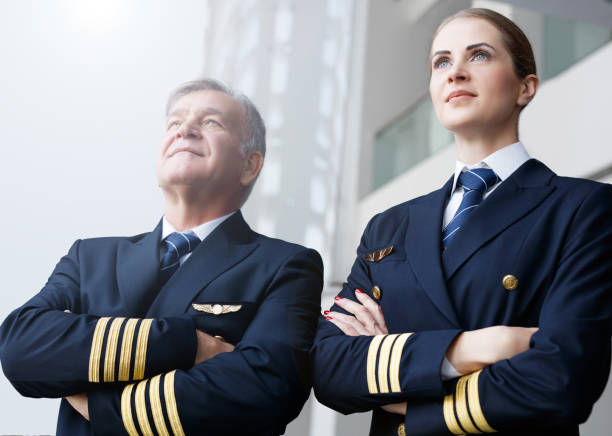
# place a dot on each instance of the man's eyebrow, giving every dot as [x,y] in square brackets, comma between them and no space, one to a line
[206,111]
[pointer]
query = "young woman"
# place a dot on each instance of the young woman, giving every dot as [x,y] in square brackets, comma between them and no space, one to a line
[484,306]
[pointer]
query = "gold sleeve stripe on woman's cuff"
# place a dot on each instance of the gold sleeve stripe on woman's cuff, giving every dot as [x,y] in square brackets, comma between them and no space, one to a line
[126,349]
[449,416]
[141,349]
[171,408]
[96,350]
[474,401]
[156,407]
[396,358]
[126,410]
[371,363]
[383,363]
[141,409]
[462,406]
[111,349]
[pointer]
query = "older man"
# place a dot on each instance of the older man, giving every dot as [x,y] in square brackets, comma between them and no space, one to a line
[136,332]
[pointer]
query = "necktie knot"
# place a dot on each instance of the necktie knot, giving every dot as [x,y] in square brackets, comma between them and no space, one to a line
[178,244]
[478,179]
[475,183]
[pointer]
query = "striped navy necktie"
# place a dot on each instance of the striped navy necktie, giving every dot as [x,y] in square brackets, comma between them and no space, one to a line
[177,245]
[475,183]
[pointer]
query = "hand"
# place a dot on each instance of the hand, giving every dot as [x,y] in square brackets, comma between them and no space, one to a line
[79,403]
[473,350]
[209,346]
[368,319]
[399,408]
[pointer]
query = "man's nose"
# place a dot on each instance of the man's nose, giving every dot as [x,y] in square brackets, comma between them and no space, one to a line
[188,130]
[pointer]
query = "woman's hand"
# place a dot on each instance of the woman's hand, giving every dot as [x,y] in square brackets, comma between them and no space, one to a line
[367,319]
[473,350]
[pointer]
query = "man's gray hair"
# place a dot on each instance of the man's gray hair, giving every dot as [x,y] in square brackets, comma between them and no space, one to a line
[254,135]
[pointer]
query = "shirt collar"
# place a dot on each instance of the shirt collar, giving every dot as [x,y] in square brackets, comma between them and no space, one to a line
[504,162]
[201,231]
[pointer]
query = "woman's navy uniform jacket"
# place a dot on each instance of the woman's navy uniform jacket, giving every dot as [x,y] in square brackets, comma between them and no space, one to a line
[537,252]
[260,294]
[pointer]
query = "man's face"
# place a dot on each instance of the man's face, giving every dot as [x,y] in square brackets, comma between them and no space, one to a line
[201,145]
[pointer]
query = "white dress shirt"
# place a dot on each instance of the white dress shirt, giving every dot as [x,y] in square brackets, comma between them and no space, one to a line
[503,162]
[201,231]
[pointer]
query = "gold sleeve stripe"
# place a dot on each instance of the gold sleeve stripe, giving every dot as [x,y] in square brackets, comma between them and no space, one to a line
[111,349]
[462,406]
[383,363]
[449,416]
[396,358]
[371,363]
[126,349]
[171,409]
[141,349]
[156,407]
[141,409]
[96,350]
[126,411]
[474,401]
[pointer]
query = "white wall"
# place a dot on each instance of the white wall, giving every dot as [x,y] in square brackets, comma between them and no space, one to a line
[83,86]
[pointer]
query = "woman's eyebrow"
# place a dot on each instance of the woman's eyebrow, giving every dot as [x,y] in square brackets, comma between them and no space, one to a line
[479,44]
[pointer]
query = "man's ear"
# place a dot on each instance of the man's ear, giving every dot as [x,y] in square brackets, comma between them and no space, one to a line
[251,168]
[529,87]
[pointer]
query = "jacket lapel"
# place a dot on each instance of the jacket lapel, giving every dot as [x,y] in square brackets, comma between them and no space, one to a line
[226,246]
[137,271]
[524,190]
[423,248]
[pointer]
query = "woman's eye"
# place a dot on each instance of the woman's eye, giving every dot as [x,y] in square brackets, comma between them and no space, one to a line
[441,63]
[481,56]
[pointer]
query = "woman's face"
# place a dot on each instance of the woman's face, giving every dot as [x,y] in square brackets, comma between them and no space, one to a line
[473,86]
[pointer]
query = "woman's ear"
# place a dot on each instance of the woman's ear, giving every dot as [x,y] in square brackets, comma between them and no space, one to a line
[529,87]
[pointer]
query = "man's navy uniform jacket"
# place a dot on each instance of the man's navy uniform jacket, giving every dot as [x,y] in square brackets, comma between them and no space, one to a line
[258,293]
[536,253]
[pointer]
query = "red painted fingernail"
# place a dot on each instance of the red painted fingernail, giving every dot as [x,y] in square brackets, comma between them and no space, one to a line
[326,312]
[328,318]
[338,298]
[359,290]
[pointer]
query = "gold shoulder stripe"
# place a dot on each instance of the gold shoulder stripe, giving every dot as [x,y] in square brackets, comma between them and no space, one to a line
[156,407]
[449,416]
[111,349]
[383,363]
[474,401]
[126,410]
[141,349]
[171,408]
[96,350]
[371,363]
[396,358]
[462,406]
[126,349]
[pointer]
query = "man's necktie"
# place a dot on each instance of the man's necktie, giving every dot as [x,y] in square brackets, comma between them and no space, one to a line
[475,183]
[177,245]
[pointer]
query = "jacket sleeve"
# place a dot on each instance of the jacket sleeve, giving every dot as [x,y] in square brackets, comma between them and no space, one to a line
[557,381]
[259,387]
[46,352]
[358,373]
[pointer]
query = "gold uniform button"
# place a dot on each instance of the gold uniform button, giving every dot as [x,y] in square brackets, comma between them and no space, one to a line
[377,292]
[401,430]
[510,282]
[220,338]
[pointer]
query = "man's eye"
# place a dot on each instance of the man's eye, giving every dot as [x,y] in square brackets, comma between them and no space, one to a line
[173,124]
[210,122]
